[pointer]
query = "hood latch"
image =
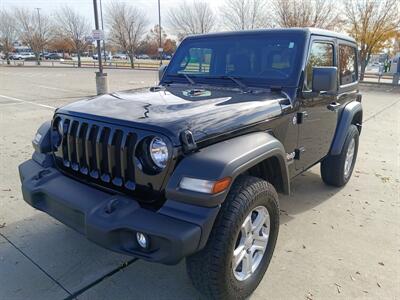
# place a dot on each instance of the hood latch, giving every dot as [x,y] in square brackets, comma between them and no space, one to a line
[188,142]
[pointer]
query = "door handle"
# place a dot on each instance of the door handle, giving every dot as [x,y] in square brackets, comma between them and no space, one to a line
[333,106]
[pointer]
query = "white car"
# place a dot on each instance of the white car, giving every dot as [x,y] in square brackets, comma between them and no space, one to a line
[22,56]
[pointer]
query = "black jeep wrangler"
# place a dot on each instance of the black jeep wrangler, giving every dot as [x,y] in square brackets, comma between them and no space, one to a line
[191,168]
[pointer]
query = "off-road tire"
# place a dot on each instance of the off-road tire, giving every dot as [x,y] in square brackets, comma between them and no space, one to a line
[332,167]
[210,269]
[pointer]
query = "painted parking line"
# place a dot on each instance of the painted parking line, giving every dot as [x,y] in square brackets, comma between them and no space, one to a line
[25,101]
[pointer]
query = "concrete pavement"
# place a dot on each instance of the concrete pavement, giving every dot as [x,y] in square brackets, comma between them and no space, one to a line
[333,243]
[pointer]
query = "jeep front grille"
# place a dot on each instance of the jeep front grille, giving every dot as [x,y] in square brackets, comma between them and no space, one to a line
[104,154]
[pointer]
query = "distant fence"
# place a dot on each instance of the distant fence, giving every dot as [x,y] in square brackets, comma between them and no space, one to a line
[140,65]
[385,78]
[116,65]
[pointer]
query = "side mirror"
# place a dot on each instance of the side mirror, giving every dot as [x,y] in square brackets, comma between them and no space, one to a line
[161,71]
[324,79]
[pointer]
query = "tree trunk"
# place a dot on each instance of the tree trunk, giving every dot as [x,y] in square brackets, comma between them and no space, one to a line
[363,66]
[364,59]
[37,58]
[131,58]
[79,59]
[8,58]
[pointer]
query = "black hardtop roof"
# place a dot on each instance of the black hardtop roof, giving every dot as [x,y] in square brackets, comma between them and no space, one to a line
[305,30]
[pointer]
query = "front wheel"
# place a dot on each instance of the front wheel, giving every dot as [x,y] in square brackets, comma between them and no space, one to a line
[336,170]
[241,242]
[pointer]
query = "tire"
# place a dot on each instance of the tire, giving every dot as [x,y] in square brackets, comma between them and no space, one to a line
[211,269]
[333,167]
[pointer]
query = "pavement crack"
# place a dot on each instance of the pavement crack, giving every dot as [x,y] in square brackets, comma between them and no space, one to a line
[97,281]
[36,264]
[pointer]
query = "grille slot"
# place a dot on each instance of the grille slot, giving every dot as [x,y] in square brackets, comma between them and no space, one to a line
[104,153]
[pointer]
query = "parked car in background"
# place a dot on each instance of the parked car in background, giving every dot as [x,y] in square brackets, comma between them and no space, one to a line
[53,56]
[142,56]
[96,57]
[119,56]
[23,56]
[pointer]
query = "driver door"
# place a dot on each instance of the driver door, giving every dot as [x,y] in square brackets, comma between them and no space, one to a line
[318,121]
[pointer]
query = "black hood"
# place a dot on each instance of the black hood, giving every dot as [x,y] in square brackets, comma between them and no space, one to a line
[207,112]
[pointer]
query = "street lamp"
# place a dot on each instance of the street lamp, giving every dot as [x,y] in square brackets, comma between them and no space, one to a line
[102,28]
[159,32]
[40,34]
[101,78]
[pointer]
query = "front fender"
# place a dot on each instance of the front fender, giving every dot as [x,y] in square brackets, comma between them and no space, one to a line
[228,158]
[346,119]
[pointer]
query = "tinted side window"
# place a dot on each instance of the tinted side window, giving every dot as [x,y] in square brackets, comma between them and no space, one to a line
[321,55]
[347,64]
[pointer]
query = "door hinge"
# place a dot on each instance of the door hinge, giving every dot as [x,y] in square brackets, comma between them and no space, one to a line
[301,116]
[298,151]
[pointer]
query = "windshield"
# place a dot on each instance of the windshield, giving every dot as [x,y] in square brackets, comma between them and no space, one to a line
[266,59]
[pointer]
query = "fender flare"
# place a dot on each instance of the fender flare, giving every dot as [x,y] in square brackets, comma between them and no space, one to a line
[228,158]
[345,120]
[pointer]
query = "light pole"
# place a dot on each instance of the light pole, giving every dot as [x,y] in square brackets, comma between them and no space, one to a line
[40,34]
[159,32]
[101,78]
[102,28]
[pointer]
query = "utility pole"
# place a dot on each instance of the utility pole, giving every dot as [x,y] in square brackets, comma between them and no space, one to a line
[102,28]
[159,31]
[40,33]
[96,24]
[101,78]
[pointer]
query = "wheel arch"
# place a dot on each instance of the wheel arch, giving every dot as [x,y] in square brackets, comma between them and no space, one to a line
[254,154]
[271,170]
[357,120]
[351,114]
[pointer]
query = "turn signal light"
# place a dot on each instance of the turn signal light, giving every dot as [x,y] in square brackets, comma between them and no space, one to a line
[221,185]
[205,186]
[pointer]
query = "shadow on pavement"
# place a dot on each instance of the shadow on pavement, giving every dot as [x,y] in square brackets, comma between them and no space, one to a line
[303,197]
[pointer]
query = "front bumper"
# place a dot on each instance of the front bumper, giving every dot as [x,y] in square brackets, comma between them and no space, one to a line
[112,220]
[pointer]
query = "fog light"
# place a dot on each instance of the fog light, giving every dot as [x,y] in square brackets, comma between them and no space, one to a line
[142,240]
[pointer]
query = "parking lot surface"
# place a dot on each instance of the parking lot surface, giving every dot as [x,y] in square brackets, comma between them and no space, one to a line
[333,243]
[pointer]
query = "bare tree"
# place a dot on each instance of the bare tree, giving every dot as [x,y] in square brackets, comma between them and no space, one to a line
[194,18]
[73,28]
[127,27]
[34,30]
[244,14]
[8,33]
[307,13]
[372,24]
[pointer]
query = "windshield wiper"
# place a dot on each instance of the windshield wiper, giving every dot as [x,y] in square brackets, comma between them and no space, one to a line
[191,81]
[244,88]
[187,77]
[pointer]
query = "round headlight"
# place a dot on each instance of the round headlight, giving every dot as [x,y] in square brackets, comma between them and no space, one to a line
[60,127]
[57,134]
[159,152]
